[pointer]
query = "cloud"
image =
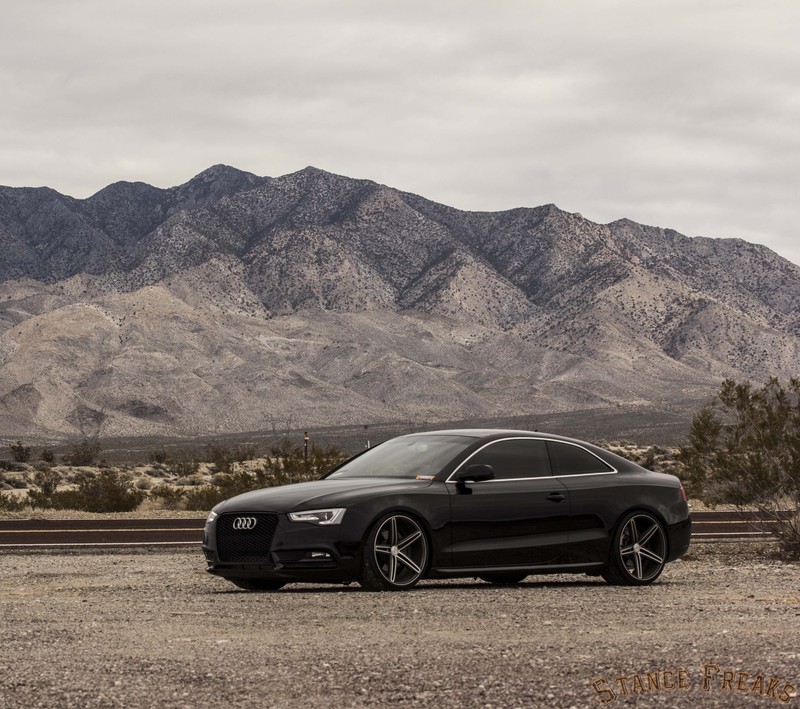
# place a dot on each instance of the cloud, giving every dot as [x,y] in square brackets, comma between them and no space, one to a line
[679,114]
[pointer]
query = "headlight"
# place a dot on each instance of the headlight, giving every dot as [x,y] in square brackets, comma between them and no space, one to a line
[211,517]
[322,517]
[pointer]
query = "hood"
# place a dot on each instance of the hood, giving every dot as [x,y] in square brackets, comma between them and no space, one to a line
[316,495]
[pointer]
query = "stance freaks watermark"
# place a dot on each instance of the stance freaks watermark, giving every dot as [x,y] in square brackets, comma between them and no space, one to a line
[712,678]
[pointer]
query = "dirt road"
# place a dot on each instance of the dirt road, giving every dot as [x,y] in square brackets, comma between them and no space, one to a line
[153,630]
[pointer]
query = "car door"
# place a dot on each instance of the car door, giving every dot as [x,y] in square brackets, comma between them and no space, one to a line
[519,518]
[594,496]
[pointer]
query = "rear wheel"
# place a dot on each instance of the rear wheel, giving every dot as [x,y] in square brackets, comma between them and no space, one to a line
[395,554]
[503,579]
[258,584]
[639,551]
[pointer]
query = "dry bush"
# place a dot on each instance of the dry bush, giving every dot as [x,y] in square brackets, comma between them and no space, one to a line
[744,450]
[105,491]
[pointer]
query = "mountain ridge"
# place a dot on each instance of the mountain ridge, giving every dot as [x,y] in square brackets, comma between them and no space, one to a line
[149,310]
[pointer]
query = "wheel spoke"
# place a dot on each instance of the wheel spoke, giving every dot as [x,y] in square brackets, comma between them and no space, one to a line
[624,551]
[651,555]
[383,549]
[410,539]
[408,562]
[633,530]
[648,534]
[638,559]
[393,531]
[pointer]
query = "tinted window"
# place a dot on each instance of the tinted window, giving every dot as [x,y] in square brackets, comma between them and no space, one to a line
[414,456]
[518,458]
[572,460]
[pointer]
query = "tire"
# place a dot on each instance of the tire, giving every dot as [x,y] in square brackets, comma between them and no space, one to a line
[258,584]
[504,579]
[638,551]
[395,554]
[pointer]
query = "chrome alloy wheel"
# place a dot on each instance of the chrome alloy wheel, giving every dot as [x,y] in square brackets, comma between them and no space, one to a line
[400,551]
[643,547]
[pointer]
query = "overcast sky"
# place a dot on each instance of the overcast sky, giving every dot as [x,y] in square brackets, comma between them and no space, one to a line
[676,114]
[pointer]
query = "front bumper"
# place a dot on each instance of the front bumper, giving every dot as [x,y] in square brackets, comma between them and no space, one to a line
[296,552]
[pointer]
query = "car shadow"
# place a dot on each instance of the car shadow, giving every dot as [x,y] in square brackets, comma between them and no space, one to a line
[439,585]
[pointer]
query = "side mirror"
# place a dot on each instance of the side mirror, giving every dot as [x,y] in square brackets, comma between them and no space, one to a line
[475,473]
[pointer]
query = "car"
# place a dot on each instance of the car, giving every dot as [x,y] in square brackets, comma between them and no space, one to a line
[497,505]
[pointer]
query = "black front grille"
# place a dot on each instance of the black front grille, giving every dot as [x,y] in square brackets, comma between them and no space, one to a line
[243,542]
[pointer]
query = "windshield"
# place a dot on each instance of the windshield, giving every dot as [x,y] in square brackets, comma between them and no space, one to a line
[413,457]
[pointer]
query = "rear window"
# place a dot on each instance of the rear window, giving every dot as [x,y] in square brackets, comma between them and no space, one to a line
[567,459]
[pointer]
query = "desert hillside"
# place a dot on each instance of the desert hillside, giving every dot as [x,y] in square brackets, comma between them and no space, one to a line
[234,301]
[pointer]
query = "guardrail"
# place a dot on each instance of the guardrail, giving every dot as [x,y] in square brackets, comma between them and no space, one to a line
[61,533]
[26,533]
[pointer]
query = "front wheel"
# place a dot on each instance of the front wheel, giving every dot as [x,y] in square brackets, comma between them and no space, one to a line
[395,554]
[638,551]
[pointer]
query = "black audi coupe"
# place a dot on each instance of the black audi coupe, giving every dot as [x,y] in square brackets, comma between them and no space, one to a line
[496,505]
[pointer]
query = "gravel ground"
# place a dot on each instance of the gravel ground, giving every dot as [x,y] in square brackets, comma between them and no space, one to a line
[151,629]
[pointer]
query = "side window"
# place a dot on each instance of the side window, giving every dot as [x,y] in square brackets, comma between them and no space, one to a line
[517,458]
[572,460]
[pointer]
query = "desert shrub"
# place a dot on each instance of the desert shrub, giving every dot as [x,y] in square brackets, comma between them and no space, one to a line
[159,456]
[220,457]
[243,481]
[47,481]
[16,482]
[190,481]
[245,452]
[183,463]
[11,503]
[286,464]
[106,491]
[744,449]
[19,452]
[37,499]
[82,454]
[226,485]
[204,497]
[218,478]
[657,458]
[223,457]
[170,497]
[11,467]
[289,463]
[323,460]
[143,483]
[47,455]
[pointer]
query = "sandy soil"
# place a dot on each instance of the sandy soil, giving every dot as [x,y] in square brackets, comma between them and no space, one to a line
[154,630]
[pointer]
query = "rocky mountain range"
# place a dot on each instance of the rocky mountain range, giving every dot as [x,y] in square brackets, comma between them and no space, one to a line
[235,301]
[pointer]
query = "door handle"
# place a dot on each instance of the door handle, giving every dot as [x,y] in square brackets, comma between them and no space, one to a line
[556,497]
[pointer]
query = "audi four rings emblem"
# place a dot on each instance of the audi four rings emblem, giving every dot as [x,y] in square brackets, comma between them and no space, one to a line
[244,522]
